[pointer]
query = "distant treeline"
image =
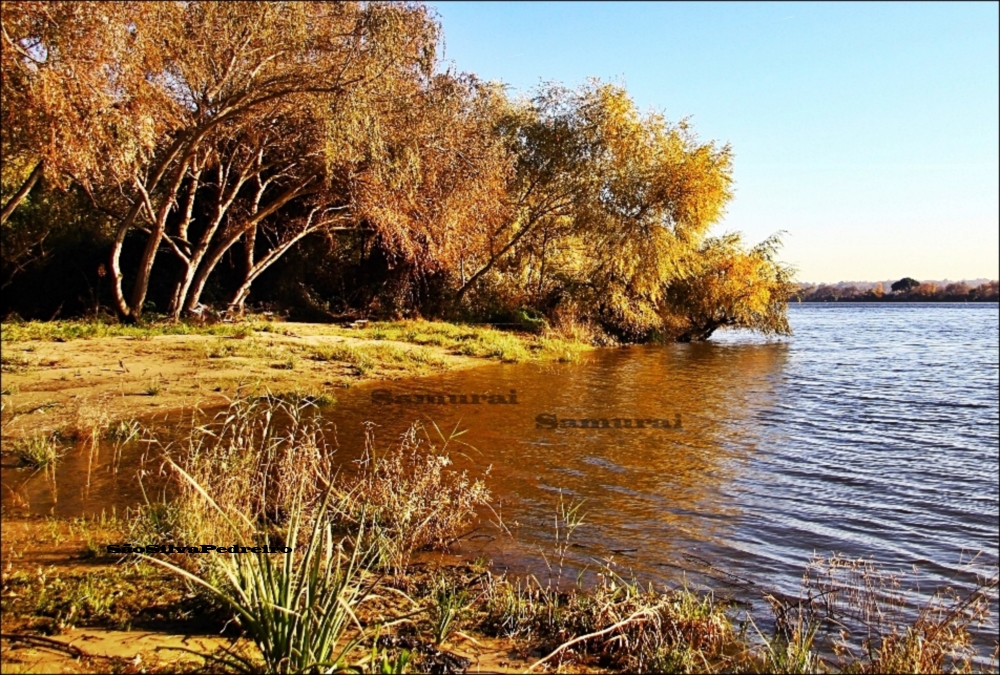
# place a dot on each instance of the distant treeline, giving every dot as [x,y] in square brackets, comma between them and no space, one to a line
[319,159]
[904,290]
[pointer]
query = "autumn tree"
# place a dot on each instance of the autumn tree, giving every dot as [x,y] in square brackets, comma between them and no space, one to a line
[74,91]
[211,138]
[433,185]
[181,76]
[729,286]
[603,206]
[73,100]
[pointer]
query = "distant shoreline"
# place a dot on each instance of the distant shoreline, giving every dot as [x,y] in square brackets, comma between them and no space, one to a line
[887,301]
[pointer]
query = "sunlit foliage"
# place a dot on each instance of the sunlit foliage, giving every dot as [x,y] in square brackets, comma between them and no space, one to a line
[730,286]
[209,139]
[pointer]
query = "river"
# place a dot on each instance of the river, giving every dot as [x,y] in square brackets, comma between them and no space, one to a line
[872,432]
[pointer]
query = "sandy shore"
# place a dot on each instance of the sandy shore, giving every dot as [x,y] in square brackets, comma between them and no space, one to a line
[71,386]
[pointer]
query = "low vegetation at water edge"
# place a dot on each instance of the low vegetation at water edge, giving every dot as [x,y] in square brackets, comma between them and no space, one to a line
[345,595]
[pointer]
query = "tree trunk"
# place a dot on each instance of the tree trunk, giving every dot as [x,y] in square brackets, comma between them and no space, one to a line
[121,305]
[125,312]
[22,192]
[155,238]
[210,263]
[493,261]
[240,297]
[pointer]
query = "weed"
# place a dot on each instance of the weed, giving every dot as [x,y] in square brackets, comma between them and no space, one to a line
[123,431]
[450,602]
[790,650]
[287,364]
[12,363]
[37,451]
[297,611]
[410,497]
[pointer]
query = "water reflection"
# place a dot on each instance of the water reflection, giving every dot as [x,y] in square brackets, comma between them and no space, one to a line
[656,492]
[872,433]
[94,475]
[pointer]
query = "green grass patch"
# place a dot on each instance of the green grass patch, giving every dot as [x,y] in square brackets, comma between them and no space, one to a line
[365,358]
[62,331]
[37,451]
[474,340]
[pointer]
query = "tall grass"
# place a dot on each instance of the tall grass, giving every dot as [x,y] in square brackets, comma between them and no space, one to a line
[39,451]
[870,606]
[261,473]
[262,457]
[267,456]
[412,499]
[298,611]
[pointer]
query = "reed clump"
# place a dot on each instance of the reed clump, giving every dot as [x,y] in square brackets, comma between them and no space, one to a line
[268,457]
[40,451]
[878,630]
[413,500]
[262,473]
[298,608]
[264,457]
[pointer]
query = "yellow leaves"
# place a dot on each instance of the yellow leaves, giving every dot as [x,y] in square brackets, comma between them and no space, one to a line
[574,197]
[732,287]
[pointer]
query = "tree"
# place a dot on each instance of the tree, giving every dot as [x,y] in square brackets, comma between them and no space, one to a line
[432,186]
[905,285]
[233,71]
[602,206]
[730,287]
[73,109]
[74,91]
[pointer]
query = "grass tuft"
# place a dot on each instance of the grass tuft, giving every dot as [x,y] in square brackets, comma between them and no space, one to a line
[297,607]
[39,451]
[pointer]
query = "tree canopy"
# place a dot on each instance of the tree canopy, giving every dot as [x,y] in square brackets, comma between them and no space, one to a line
[207,142]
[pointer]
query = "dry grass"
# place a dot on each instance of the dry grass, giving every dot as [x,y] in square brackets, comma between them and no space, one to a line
[410,497]
[870,606]
[268,457]
[39,451]
[266,465]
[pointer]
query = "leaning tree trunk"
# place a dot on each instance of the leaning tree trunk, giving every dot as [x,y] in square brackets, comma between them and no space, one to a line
[209,263]
[22,192]
[141,285]
[255,270]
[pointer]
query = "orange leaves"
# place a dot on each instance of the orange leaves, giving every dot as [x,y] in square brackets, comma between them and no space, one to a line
[731,286]
[203,125]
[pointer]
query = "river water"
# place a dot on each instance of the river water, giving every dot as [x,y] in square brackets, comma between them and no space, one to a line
[873,431]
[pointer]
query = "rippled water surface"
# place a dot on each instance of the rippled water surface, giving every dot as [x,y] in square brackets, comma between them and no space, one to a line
[872,432]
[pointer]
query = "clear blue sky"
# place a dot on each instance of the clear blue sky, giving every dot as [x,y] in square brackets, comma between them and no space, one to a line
[869,132]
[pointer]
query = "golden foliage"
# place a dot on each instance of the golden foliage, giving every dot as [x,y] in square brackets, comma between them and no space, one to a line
[198,126]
